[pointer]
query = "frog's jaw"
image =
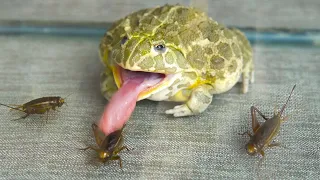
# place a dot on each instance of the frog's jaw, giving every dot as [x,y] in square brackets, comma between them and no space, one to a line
[116,75]
[166,81]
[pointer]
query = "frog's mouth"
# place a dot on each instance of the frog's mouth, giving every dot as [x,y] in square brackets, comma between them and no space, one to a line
[133,86]
[150,82]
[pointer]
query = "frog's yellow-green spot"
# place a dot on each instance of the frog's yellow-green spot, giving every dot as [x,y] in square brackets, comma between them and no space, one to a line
[225,49]
[169,58]
[233,66]
[217,62]
[159,62]
[236,50]
[208,51]
[171,70]
[147,63]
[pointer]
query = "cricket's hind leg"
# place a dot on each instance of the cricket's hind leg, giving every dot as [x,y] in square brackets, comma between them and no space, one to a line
[22,117]
[17,106]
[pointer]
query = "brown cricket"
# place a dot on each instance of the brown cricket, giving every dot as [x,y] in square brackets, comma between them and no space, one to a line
[38,106]
[110,147]
[263,134]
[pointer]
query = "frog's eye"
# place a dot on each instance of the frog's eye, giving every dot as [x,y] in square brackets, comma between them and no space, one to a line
[124,40]
[160,48]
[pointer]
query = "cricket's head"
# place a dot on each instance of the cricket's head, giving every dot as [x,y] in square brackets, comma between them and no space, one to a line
[61,101]
[103,155]
[251,149]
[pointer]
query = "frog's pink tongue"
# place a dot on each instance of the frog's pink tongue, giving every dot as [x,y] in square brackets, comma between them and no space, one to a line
[123,102]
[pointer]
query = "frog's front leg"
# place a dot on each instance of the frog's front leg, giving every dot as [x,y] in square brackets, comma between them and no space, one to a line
[107,83]
[199,100]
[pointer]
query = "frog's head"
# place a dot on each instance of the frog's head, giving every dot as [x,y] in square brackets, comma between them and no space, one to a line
[158,41]
[149,55]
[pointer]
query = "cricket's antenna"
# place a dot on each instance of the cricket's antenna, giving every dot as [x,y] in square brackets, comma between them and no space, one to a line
[68,95]
[284,106]
[66,98]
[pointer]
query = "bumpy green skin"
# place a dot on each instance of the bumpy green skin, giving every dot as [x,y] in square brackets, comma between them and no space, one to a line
[204,57]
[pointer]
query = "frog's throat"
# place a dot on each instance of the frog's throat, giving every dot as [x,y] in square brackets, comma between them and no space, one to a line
[164,83]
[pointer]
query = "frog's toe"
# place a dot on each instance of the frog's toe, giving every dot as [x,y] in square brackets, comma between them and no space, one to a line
[245,85]
[252,77]
[180,110]
[247,78]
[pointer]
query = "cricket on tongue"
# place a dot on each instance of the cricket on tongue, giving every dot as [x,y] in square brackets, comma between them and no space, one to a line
[122,103]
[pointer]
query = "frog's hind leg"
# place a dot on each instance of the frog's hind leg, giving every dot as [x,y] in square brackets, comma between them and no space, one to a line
[248,67]
[247,77]
[247,74]
[245,83]
[252,76]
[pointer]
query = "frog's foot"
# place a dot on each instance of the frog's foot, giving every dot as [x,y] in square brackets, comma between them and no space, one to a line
[180,110]
[199,101]
[247,77]
[107,85]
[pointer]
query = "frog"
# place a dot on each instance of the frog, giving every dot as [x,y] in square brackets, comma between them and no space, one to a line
[194,56]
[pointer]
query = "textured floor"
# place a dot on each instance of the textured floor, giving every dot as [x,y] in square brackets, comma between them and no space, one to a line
[198,147]
[201,147]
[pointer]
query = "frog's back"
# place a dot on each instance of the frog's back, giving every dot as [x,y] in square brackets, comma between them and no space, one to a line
[229,54]
[165,21]
[220,55]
